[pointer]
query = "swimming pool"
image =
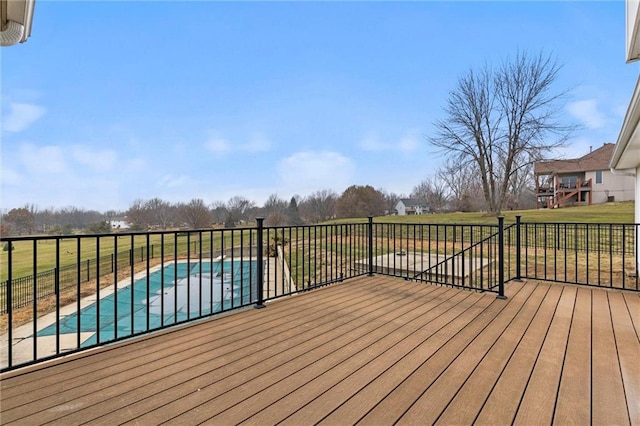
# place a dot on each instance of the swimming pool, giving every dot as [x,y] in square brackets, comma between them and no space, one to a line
[174,293]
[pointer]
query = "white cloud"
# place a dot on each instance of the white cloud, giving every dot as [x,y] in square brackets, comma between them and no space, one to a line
[257,144]
[587,112]
[221,146]
[304,172]
[406,145]
[21,116]
[135,164]
[11,177]
[99,161]
[218,145]
[370,143]
[43,160]
[620,110]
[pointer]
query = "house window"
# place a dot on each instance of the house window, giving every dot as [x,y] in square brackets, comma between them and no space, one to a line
[599,176]
[568,181]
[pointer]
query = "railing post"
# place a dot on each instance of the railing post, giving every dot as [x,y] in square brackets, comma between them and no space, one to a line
[260,272]
[370,241]
[9,296]
[501,258]
[518,249]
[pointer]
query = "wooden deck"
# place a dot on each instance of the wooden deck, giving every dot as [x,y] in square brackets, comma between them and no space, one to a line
[374,350]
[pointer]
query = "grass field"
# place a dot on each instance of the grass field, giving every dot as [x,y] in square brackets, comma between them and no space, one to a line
[23,260]
[601,213]
[86,248]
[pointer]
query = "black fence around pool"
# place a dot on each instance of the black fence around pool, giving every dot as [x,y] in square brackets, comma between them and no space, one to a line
[65,294]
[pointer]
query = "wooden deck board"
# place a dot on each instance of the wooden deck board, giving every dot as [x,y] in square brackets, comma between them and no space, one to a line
[394,406]
[444,388]
[538,403]
[336,353]
[257,366]
[608,404]
[313,399]
[574,395]
[390,366]
[628,346]
[465,406]
[633,307]
[373,350]
[160,361]
[501,405]
[351,379]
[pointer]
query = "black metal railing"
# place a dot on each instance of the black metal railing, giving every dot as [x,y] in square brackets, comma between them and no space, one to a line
[70,274]
[65,294]
[594,254]
[163,279]
[466,256]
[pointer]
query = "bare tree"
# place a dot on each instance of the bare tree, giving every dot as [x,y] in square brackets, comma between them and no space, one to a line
[46,219]
[238,209]
[502,120]
[319,206]
[195,214]
[138,214]
[432,192]
[161,213]
[274,204]
[463,186]
[276,218]
[219,212]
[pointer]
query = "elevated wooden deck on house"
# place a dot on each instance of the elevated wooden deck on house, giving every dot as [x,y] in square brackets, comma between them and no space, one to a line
[373,350]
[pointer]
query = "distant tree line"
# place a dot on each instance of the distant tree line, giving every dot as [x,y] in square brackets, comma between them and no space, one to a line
[155,213]
[452,188]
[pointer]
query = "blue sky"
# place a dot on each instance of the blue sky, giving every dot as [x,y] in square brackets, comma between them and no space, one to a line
[109,102]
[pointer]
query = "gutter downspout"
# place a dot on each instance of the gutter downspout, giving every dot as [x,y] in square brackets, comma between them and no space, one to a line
[12,32]
[636,174]
[623,172]
[3,15]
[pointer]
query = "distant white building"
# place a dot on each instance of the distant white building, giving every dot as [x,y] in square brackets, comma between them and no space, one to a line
[119,223]
[410,206]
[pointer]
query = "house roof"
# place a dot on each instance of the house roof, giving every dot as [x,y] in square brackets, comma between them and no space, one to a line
[411,202]
[595,160]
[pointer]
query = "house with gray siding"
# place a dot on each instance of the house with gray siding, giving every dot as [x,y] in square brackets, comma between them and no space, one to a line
[582,181]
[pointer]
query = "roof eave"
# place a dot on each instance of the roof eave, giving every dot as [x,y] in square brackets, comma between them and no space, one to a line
[628,142]
[633,30]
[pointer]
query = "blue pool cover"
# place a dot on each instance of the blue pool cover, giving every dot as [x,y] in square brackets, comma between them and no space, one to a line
[200,289]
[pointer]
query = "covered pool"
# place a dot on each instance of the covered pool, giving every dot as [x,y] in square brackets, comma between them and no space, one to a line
[171,294]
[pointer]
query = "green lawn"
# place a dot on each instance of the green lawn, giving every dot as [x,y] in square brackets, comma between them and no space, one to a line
[600,213]
[23,251]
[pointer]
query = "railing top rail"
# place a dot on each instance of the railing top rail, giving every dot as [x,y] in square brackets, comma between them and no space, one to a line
[581,223]
[487,225]
[179,233]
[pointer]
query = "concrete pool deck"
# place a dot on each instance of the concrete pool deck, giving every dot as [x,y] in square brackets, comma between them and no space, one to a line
[413,263]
